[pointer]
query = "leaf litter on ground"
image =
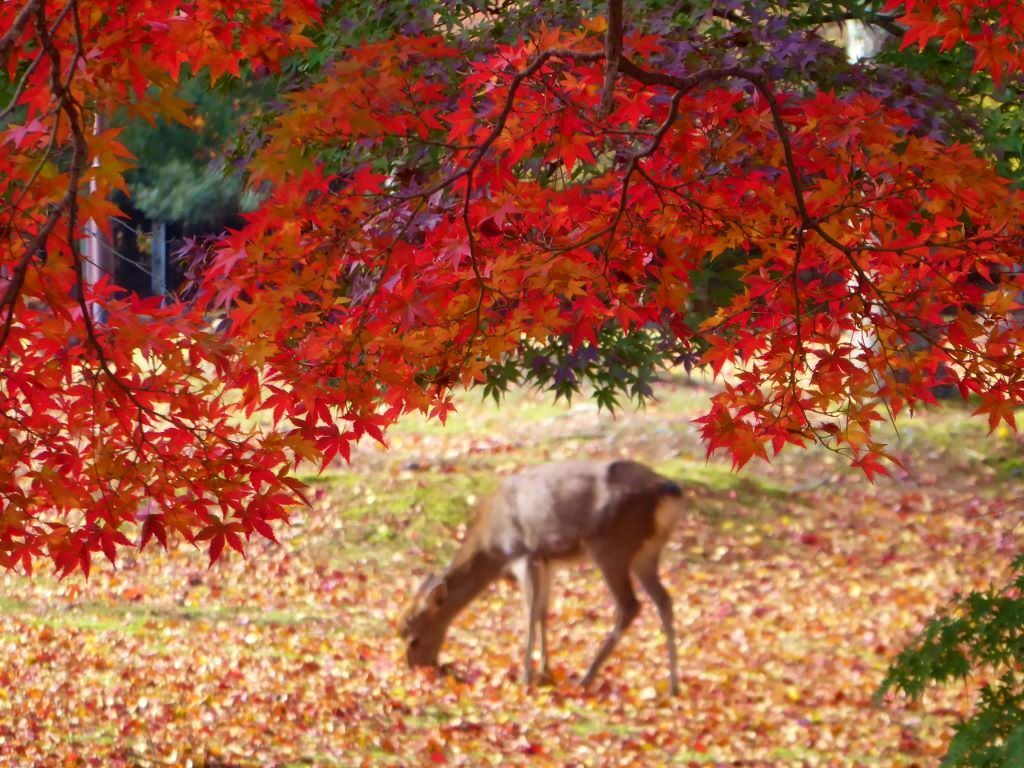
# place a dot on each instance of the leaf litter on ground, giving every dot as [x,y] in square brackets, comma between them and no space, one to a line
[794,586]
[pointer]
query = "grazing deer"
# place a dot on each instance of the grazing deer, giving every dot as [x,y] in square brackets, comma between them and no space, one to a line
[619,513]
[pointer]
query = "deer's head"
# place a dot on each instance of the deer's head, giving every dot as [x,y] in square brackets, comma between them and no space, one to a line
[421,626]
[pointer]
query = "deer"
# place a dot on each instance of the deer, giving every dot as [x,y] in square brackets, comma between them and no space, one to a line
[619,513]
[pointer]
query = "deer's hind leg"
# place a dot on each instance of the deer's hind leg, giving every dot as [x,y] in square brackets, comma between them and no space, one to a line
[645,566]
[615,569]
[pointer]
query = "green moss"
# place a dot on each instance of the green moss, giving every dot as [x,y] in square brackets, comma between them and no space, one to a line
[335,478]
[9,606]
[94,617]
[139,618]
[1007,467]
[585,725]
[382,519]
[719,478]
[476,415]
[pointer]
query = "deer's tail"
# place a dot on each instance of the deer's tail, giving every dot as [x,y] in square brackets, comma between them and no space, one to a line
[670,488]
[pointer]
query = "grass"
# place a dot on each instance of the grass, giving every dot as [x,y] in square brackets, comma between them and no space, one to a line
[141,619]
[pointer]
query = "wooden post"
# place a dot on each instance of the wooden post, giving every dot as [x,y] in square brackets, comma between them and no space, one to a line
[99,257]
[158,260]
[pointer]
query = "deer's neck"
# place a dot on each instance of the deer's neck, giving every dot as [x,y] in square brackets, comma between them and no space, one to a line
[472,571]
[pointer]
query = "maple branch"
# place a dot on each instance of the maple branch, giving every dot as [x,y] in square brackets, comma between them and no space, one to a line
[10,37]
[871,18]
[23,80]
[20,87]
[70,107]
[357,333]
[16,281]
[798,346]
[806,221]
[634,166]
[499,125]
[38,243]
[612,54]
[755,79]
[79,37]
[469,170]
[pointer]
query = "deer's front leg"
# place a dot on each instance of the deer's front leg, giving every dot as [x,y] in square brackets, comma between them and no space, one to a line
[526,574]
[540,617]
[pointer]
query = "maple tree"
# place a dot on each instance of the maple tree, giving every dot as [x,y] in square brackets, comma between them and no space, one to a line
[439,215]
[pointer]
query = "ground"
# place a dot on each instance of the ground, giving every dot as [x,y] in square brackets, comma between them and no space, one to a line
[794,584]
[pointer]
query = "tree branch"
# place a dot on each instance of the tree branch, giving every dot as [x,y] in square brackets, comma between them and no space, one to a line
[10,37]
[612,54]
[23,81]
[871,18]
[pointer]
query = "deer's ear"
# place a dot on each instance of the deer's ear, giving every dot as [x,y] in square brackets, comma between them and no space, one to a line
[436,594]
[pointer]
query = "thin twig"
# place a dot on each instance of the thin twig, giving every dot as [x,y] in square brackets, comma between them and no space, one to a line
[10,37]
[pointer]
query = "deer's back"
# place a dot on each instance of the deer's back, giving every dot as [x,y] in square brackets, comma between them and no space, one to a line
[551,510]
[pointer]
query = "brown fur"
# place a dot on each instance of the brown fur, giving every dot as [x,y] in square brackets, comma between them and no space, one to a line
[619,513]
